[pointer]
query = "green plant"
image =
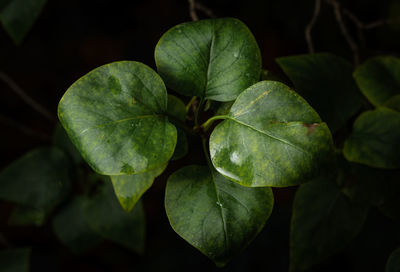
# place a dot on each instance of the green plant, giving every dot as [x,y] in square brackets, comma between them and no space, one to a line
[254,133]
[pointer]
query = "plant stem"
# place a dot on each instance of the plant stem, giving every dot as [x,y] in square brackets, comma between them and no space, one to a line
[197,112]
[190,103]
[206,125]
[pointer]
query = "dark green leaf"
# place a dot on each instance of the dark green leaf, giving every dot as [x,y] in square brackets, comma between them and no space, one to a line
[39,179]
[115,116]
[379,79]
[324,221]
[15,260]
[71,228]
[393,103]
[218,217]
[215,59]
[326,82]
[271,137]
[105,216]
[393,263]
[61,140]
[18,17]
[130,188]
[268,75]
[23,216]
[224,108]
[177,109]
[375,140]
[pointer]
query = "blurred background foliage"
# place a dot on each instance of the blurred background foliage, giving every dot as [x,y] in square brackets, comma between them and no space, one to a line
[70,38]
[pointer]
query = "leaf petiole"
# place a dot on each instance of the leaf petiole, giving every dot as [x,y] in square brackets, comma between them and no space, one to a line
[207,124]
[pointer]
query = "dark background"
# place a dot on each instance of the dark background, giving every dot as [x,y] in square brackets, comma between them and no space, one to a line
[72,37]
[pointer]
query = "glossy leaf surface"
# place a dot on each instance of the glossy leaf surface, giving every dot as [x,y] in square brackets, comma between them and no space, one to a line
[115,117]
[18,17]
[218,217]
[375,139]
[215,59]
[379,79]
[324,221]
[130,188]
[38,180]
[105,216]
[71,228]
[326,82]
[271,137]
[393,264]
[15,260]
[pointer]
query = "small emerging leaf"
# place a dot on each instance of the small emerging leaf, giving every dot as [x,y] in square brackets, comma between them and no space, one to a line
[115,116]
[324,221]
[214,59]
[218,217]
[375,140]
[326,82]
[271,137]
[379,79]
[130,188]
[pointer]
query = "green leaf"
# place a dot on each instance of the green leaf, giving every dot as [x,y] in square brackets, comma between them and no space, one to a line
[115,116]
[23,216]
[326,82]
[216,216]
[15,260]
[268,75]
[375,139]
[393,263]
[61,140]
[39,179]
[129,189]
[393,103]
[104,215]
[379,79]
[324,221]
[71,228]
[177,109]
[271,137]
[18,17]
[214,59]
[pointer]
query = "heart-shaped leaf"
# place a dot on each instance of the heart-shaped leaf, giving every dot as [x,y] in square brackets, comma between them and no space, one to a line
[379,79]
[375,140]
[18,16]
[393,263]
[218,217]
[71,228]
[130,188]
[271,137]
[39,179]
[115,116]
[215,59]
[104,215]
[324,221]
[326,82]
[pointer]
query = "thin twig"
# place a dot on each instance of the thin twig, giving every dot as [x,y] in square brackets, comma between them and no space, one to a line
[382,23]
[311,25]
[205,10]
[192,10]
[27,99]
[352,44]
[28,131]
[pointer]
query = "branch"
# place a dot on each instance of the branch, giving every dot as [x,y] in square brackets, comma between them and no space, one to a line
[205,10]
[192,10]
[311,25]
[352,44]
[27,99]
[28,131]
